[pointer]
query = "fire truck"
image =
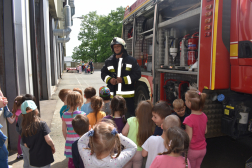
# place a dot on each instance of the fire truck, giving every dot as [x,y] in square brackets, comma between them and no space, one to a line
[202,44]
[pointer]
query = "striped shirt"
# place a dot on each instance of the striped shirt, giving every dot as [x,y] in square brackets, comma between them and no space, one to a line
[71,135]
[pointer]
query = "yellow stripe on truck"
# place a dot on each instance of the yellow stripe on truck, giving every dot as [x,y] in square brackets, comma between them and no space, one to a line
[135,9]
[233,50]
[215,43]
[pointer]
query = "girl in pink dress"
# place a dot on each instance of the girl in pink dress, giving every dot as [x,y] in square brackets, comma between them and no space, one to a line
[196,126]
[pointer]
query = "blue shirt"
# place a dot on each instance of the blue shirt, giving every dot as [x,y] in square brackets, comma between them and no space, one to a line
[86,108]
[158,131]
[63,109]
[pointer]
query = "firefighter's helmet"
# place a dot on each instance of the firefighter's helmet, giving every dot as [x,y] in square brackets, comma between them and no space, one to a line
[117,40]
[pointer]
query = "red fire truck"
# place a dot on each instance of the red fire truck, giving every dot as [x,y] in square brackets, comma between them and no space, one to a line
[203,44]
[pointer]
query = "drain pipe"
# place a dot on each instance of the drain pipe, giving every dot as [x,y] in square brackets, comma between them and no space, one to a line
[67,30]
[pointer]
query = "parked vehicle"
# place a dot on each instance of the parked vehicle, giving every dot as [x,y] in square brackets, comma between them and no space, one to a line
[198,43]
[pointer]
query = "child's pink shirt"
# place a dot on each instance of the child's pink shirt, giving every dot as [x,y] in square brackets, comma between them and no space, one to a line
[198,124]
[166,161]
[18,112]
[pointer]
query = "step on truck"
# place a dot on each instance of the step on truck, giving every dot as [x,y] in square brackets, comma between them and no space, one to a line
[202,44]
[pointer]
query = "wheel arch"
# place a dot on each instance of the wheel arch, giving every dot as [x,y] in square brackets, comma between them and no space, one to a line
[144,82]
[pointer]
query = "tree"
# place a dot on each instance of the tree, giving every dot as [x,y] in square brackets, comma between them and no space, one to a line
[96,34]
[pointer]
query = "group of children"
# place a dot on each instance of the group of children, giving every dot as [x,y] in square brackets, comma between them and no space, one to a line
[97,134]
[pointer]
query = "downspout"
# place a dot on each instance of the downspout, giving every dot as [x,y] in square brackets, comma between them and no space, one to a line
[67,30]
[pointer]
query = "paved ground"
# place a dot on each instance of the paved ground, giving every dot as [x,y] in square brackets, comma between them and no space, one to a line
[50,113]
[222,152]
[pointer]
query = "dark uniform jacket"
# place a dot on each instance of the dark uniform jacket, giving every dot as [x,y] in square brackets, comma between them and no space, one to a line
[127,68]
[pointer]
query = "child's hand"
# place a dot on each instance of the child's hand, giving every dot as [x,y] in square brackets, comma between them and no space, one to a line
[53,149]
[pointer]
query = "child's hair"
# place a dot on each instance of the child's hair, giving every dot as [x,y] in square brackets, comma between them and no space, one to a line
[146,125]
[118,103]
[74,100]
[178,104]
[196,98]
[80,124]
[104,141]
[78,90]
[108,121]
[17,103]
[177,141]
[96,105]
[30,123]
[171,121]
[63,93]
[162,108]
[28,97]
[89,92]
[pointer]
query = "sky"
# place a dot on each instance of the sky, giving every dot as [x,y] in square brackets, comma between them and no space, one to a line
[83,7]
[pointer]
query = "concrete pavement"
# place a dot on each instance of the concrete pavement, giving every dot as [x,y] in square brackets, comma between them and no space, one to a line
[50,113]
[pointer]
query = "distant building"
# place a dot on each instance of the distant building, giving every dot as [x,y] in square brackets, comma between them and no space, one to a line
[68,62]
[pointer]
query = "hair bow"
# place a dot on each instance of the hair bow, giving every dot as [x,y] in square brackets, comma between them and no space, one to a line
[91,133]
[199,92]
[114,131]
[170,143]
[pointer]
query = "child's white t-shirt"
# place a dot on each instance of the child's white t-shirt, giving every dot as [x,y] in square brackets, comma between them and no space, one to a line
[90,161]
[153,145]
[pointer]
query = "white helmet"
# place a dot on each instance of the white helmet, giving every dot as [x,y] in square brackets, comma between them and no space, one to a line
[117,40]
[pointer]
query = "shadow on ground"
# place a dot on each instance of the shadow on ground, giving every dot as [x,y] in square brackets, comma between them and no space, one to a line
[62,164]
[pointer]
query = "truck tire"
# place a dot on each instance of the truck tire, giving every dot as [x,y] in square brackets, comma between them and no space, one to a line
[142,93]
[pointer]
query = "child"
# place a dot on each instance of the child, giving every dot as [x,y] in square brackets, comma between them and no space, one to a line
[81,126]
[118,107]
[16,112]
[139,129]
[74,100]
[97,146]
[104,93]
[24,149]
[196,126]
[159,112]
[35,136]
[176,142]
[155,144]
[3,150]
[78,90]
[62,95]
[96,115]
[179,109]
[88,94]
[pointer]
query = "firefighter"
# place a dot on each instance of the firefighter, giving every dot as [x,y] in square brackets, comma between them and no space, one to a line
[120,72]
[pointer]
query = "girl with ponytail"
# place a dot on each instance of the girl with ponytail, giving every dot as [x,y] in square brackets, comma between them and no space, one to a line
[196,126]
[176,142]
[97,147]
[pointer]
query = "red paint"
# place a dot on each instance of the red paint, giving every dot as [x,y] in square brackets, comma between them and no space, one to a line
[245,61]
[162,92]
[205,48]
[133,7]
[222,70]
[222,66]
[245,22]
[241,79]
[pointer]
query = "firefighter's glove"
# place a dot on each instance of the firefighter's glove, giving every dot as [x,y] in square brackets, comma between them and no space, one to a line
[113,81]
[119,80]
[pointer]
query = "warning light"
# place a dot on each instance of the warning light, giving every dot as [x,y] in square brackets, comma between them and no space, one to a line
[208,14]
[208,7]
[209,20]
[207,34]
[207,27]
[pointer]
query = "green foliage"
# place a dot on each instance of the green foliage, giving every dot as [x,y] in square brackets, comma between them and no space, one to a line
[96,33]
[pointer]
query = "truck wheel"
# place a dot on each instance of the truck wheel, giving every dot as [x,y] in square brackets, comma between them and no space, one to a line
[142,93]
